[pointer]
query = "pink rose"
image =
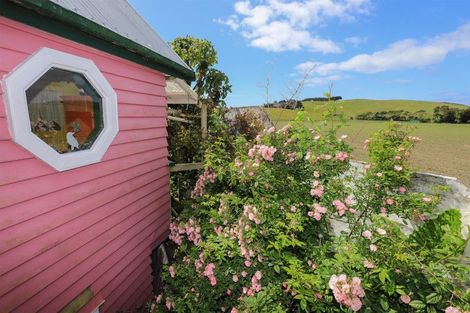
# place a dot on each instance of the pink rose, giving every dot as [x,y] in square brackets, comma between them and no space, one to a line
[341,156]
[368,264]
[367,234]
[172,271]
[405,299]
[381,231]
[451,309]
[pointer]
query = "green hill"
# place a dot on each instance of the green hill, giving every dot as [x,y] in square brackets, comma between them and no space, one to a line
[445,148]
[353,107]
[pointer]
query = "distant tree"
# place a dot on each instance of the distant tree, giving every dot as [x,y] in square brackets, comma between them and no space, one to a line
[332,98]
[463,116]
[466,116]
[444,114]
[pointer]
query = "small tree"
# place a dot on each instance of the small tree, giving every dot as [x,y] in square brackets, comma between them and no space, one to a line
[211,85]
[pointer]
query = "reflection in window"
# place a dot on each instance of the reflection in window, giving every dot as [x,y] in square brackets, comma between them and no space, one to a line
[65,110]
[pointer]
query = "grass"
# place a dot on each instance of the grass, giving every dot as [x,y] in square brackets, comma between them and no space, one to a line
[351,108]
[445,148]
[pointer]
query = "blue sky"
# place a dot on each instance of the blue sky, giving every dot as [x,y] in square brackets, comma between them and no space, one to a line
[377,49]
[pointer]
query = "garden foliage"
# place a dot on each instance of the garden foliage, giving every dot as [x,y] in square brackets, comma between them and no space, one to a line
[258,236]
[397,115]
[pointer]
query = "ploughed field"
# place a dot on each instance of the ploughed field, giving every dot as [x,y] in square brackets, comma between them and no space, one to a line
[444,149]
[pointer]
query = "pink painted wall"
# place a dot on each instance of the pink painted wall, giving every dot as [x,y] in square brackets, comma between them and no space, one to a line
[94,226]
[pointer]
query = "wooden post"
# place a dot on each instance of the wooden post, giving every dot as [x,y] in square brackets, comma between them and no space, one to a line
[203,120]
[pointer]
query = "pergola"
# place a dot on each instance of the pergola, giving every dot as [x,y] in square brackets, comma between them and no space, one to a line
[178,92]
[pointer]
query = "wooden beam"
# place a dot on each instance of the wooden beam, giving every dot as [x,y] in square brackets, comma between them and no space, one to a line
[179,119]
[185,167]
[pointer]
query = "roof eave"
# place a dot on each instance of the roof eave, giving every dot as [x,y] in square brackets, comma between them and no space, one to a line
[128,49]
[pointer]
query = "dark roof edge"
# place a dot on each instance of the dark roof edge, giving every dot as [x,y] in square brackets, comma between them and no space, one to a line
[128,49]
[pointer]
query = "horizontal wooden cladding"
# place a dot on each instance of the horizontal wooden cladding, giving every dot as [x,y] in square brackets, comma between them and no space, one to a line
[96,267]
[15,193]
[117,80]
[10,151]
[40,300]
[91,226]
[138,135]
[109,271]
[127,223]
[32,39]
[2,106]
[24,209]
[126,275]
[13,152]
[35,265]
[129,97]
[137,110]
[4,133]
[144,298]
[129,84]
[47,230]
[127,123]
[30,168]
[132,283]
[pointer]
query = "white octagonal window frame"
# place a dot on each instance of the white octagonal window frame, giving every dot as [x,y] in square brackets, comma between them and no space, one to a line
[23,76]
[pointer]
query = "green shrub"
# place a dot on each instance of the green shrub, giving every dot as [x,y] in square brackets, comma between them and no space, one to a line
[258,235]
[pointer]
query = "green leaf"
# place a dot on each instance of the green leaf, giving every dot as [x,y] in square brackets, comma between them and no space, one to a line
[383,275]
[442,234]
[433,298]
[417,304]
[384,304]
[431,309]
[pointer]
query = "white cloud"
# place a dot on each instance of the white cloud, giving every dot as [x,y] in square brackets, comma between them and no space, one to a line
[403,54]
[322,80]
[355,41]
[278,25]
[231,22]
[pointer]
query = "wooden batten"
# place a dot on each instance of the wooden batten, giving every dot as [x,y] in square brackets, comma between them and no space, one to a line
[185,167]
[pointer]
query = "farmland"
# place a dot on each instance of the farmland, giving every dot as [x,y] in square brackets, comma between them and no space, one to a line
[445,148]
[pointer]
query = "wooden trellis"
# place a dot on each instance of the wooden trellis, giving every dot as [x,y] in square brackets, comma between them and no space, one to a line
[179,92]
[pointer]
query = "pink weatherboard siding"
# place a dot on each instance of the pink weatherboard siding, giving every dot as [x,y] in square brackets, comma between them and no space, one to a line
[91,227]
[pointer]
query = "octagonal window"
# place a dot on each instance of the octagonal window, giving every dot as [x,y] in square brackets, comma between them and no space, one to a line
[61,108]
[65,110]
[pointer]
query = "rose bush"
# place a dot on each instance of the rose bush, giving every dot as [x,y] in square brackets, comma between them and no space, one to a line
[258,236]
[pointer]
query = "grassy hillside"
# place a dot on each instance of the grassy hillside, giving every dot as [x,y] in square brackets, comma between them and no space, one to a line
[445,148]
[353,107]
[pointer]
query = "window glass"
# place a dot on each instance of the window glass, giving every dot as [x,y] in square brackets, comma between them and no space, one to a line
[65,110]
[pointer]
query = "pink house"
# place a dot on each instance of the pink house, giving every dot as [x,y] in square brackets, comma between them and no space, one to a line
[84,178]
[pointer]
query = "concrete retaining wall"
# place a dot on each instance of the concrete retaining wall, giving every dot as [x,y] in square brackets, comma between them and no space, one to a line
[457,196]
